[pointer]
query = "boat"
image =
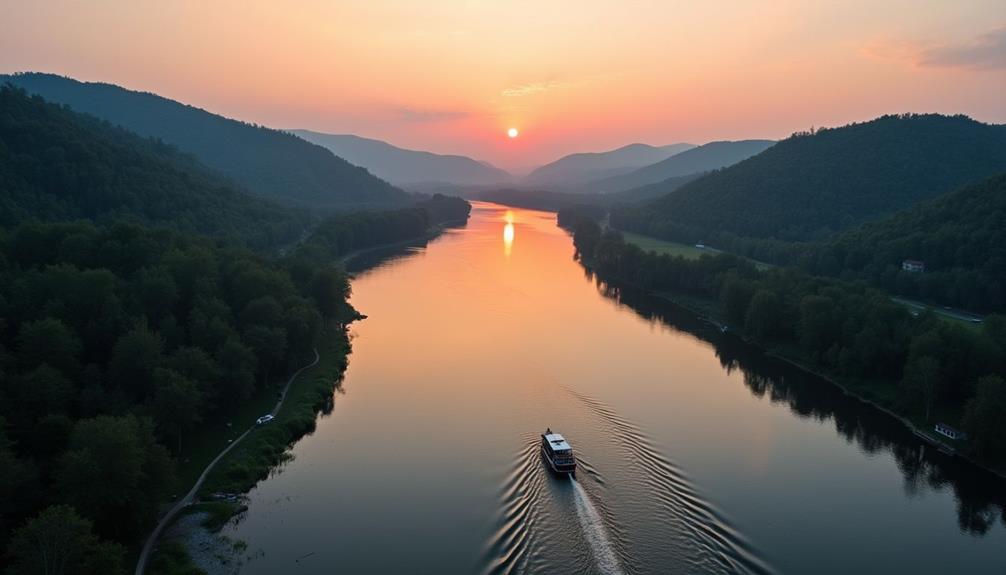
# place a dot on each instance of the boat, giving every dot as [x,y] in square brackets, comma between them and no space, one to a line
[558,453]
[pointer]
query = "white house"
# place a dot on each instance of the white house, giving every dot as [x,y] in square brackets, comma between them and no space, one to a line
[947,431]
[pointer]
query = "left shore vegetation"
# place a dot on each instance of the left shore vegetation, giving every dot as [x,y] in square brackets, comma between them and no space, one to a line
[138,304]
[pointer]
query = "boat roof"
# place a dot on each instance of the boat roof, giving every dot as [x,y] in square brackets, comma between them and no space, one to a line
[557,441]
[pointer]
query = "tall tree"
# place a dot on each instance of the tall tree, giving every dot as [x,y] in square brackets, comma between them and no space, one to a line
[921,382]
[115,472]
[178,403]
[49,341]
[59,542]
[983,418]
[134,358]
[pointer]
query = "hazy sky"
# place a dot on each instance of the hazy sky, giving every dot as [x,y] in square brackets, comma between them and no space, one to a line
[452,76]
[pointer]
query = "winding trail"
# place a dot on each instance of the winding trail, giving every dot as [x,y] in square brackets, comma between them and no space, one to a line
[141,563]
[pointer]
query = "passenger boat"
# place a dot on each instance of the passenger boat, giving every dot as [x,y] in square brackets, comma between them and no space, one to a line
[557,452]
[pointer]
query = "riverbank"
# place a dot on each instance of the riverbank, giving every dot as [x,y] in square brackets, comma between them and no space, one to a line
[431,234]
[708,310]
[186,540]
[253,461]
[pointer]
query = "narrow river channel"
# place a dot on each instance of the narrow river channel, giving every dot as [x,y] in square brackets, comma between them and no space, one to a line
[697,453]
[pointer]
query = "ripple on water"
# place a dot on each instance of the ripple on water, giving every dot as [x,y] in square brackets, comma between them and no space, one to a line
[712,545]
[549,524]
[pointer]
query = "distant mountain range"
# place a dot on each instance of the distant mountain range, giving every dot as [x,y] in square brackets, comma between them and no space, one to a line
[704,158]
[407,167]
[569,172]
[810,186]
[271,163]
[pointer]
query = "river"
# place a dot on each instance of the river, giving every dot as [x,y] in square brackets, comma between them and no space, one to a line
[697,453]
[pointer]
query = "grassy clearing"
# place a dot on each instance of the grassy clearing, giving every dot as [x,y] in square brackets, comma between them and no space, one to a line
[266,447]
[646,243]
[664,247]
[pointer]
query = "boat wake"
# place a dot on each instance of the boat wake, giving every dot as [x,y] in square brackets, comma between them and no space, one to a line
[511,548]
[595,532]
[712,545]
[642,516]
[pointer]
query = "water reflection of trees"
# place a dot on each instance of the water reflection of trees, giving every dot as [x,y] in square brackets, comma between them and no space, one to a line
[980,495]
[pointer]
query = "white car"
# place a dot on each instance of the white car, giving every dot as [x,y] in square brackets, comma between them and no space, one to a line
[264,420]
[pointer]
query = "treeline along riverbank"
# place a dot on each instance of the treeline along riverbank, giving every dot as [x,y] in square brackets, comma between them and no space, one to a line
[920,367]
[119,343]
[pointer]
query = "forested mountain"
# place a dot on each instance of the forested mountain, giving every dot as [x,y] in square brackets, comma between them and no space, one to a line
[403,167]
[575,169]
[960,237]
[814,184]
[271,163]
[704,158]
[58,165]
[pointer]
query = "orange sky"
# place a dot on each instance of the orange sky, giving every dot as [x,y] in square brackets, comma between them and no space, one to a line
[451,76]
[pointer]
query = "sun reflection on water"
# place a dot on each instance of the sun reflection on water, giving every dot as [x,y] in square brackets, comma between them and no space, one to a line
[508,233]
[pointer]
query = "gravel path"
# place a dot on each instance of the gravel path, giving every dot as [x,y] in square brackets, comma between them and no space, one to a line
[141,563]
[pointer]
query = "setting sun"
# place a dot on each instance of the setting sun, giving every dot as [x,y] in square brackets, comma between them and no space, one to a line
[512,132]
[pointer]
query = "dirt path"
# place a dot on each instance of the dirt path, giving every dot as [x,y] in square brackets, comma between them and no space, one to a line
[141,563]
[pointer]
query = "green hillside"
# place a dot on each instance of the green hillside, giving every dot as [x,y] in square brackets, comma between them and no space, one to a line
[58,165]
[960,237]
[814,184]
[271,163]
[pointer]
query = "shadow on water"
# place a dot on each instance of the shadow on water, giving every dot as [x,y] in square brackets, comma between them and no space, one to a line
[373,259]
[979,494]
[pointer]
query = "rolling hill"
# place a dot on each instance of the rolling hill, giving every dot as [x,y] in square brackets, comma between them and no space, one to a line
[704,158]
[960,237]
[270,163]
[58,165]
[406,167]
[568,172]
[810,186]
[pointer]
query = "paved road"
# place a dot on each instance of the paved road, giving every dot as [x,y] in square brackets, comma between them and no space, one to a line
[948,312]
[141,563]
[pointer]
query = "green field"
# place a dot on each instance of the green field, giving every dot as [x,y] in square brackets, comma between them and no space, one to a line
[664,247]
[675,249]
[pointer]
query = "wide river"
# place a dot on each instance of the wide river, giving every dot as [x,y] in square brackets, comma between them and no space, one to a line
[697,453]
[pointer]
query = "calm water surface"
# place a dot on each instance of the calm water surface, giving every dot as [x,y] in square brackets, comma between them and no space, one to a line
[698,454]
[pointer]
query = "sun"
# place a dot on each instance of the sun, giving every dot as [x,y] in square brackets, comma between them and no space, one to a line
[512,132]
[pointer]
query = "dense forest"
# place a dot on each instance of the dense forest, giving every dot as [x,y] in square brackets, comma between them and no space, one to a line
[271,163]
[924,367]
[114,343]
[342,234]
[814,184]
[60,165]
[960,237]
[117,339]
